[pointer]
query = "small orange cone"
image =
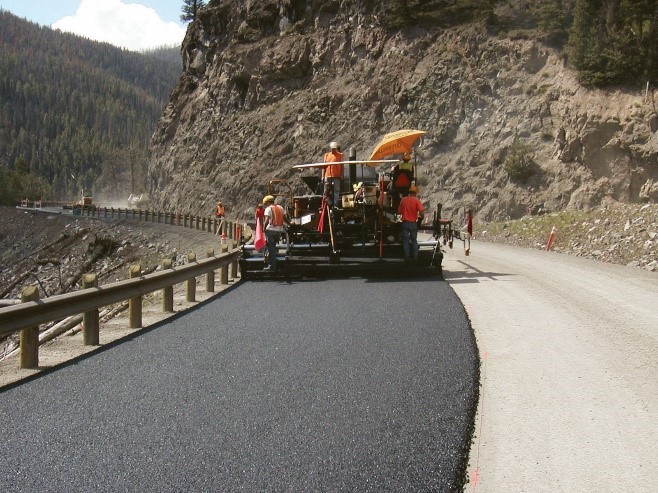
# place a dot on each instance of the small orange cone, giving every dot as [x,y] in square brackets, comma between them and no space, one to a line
[551,238]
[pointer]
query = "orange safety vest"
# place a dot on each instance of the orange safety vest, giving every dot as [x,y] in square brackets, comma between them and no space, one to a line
[219,212]
[277,215]
[336,170]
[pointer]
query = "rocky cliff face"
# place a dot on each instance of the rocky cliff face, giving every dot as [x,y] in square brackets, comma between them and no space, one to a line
[268,83]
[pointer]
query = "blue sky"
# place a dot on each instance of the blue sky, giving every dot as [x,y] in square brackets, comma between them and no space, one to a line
[131,24]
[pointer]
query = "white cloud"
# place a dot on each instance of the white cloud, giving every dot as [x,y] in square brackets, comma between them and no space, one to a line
[129,25]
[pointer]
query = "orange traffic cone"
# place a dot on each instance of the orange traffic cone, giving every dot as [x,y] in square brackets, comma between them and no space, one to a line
[551,238]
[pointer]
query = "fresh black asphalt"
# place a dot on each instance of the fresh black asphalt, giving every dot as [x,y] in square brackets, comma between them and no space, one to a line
[349,385]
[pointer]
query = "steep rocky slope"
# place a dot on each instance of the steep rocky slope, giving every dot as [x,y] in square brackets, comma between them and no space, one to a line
[53,250]
[268,84]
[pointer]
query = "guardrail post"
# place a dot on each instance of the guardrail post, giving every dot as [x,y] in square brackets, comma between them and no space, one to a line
[135,304]
[29,338]
[191,283]
[234,264]
[168,292]
[90,322]
[224,270]
[210,277]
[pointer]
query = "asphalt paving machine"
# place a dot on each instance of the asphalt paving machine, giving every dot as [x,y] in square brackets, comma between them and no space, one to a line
[360,235]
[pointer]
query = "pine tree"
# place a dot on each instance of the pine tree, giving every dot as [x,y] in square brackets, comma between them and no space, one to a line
[191,9]
[551,19]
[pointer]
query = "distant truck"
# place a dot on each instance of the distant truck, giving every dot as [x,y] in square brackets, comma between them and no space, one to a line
[138,200]
[86,201]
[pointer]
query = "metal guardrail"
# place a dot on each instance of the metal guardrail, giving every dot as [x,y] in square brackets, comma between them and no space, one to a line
[26,317]
[34,313]
[233,230]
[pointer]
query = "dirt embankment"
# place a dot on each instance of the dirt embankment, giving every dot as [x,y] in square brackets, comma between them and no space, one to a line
[625,234]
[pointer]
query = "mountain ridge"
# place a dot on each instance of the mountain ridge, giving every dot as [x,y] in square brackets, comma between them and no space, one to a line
[76,113]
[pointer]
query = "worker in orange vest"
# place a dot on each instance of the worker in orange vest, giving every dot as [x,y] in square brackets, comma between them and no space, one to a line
[275,217]
[219,214]
[411,209]
[333,173]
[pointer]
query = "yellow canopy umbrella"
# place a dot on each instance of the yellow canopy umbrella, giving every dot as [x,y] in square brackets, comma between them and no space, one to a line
[396,143]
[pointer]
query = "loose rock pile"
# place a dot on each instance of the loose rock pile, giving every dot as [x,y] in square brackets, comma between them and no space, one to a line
[625,234]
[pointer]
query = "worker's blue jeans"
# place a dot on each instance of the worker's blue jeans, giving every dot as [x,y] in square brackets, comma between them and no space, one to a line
[333,185]
[272,239]
[410,240]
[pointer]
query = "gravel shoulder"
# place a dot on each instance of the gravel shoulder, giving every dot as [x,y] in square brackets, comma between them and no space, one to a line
[569,376]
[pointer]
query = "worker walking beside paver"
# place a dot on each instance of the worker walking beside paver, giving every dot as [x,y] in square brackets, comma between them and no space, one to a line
[411,210]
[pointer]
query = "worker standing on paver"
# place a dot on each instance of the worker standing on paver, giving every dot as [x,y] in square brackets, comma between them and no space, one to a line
[333,173]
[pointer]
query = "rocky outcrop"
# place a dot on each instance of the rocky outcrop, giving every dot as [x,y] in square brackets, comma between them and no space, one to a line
[268,84]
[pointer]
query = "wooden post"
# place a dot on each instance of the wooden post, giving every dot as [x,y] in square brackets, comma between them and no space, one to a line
[224,270]
[90,322]
[210,277]
[29,338]
[191,283]
[168,292]
[135,304]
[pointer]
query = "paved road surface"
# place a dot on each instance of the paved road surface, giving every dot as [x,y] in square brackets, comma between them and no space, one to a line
[342,385]
[569,396]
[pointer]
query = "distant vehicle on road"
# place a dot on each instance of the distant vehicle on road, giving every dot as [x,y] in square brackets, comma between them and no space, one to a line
[138,200]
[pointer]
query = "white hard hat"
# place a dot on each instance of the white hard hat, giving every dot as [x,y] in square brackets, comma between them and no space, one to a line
[333,145]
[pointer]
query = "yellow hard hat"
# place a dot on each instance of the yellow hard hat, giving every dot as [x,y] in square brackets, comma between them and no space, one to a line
[267,199]
[413,189]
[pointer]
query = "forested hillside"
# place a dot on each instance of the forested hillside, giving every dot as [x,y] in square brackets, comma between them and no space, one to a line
[75,114]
